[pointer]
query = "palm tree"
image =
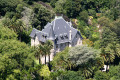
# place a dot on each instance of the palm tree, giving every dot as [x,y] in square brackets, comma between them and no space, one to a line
[45,51]
[47,47]
[39,52]
[50,46]
[108,55]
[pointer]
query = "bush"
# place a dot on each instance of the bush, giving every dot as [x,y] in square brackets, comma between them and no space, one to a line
[71,75]
[6,33]
[101,75]
[114,72]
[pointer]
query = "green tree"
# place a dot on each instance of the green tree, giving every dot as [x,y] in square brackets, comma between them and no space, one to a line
[6,33]
[83,57]
[73,8]
[49,46]
[81,54]
[16,58]
[52,3]
[14,24]
[44,72]
[84,16]
[101,76]
[41,16]
[59,6]
[39,52]
[115,28]
[107,37]
[8,5]
[60,61]
[114,72]
[71,75]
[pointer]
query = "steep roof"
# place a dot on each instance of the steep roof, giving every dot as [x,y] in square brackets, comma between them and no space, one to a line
[34,31]
[57,30]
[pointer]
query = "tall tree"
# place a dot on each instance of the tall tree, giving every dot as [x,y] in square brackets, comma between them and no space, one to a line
[39,52]
[49,45]
[16,58]
[83,57]
[41,17]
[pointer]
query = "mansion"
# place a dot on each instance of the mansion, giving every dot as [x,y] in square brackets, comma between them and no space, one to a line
[60,32]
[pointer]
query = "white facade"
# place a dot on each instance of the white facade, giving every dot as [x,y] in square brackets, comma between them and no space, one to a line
[57,48]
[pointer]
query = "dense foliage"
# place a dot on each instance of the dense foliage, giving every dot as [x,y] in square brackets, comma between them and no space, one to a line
[97,20]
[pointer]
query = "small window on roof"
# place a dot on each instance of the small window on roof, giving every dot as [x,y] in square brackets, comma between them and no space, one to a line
[62,37]
[65,35]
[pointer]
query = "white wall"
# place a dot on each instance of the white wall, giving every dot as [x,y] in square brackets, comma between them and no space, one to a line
[32,42]
[36,41]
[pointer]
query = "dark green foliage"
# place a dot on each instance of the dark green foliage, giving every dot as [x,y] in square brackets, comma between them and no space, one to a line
[108,37]
[116,27]
[84,16]
[42,16]
[61,60]
[8,6]
[71,75]
[72,8]
[52,3]
[101,76]
[114,72]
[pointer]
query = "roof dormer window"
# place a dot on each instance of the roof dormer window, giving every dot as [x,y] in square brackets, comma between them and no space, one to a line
[61,36]
[65,35]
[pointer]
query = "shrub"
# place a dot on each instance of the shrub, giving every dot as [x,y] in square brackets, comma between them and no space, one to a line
[101,75]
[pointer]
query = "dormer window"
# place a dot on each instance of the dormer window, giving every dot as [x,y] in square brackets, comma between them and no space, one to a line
[56,36]
[62,37]
[65,35]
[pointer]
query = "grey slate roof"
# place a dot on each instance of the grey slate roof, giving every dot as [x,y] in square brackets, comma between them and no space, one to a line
[57,30]
[34,31]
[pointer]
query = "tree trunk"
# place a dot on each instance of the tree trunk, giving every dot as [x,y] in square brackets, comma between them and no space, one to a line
[39,60]
[107,67]
[49,63]
[45,59]
[20,37]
